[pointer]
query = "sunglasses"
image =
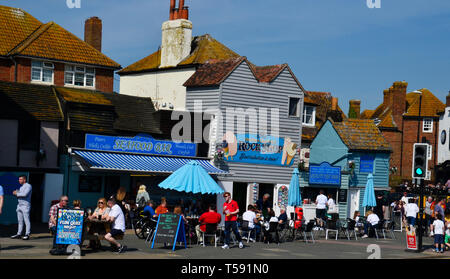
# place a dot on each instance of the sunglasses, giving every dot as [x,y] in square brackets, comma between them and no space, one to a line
[101,203]
[225,196]
[65,200]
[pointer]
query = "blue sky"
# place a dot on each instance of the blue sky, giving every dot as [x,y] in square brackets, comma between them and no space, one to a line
[339,46]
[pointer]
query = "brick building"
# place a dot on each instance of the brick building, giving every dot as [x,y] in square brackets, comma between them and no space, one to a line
[404,119]
[38,53]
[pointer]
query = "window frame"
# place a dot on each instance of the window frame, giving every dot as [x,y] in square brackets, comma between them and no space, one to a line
[431,122]
[313,116]
[41,69]
[76,70]
[298,112]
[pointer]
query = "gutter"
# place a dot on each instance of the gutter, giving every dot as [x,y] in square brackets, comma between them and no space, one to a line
[15,67]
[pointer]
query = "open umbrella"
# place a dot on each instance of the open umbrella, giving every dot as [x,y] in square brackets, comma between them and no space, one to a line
[294,197]
[191,178]
[369,193]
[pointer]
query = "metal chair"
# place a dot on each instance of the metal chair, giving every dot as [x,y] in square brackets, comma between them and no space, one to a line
[245,228]
[272,233]
[350,229]
[308,229]
[388,226]
[331,226]
[211,230]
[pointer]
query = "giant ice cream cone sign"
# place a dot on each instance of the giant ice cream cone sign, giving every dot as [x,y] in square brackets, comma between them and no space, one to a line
[289,150]
[229,145]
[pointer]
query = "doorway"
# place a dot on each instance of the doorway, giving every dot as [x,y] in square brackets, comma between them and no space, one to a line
[240,195]
[37,196]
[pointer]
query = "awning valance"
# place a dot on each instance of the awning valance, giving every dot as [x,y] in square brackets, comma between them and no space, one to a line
[140,163]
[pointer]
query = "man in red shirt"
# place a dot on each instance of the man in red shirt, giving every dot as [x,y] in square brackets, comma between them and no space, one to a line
[231,209]
[210,217]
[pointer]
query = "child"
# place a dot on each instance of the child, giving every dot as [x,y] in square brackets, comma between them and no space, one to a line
[438,227]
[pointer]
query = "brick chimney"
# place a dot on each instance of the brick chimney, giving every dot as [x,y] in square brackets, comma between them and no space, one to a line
[93,32]
[397,94]
[355,107]
[176,36]
[448,100]
[334,103]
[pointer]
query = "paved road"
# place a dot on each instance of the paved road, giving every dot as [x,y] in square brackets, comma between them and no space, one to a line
[39,245]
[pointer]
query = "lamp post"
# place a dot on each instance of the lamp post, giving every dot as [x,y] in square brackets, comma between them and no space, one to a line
[421,184]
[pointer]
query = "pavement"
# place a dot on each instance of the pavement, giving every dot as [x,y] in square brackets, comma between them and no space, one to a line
[40,243]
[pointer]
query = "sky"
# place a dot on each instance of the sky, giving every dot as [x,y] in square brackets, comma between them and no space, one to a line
[337,46]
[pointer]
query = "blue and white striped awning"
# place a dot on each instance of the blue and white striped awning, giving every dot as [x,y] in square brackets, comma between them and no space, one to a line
[140,163]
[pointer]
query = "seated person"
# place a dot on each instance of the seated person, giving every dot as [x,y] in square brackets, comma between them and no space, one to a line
[177,210]
[267,233]
[282,219]
[372,222]
[149,211]
[250,216]
[162,208]
[210,217]
[102,210]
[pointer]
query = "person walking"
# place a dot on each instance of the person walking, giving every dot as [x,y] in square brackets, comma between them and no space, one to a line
[411,210]
[117,218]
[142,196]
[23,208]
[231,209]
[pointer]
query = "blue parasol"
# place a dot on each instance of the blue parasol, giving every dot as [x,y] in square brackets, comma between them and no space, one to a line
[191,178]
[369,193]
[295,198]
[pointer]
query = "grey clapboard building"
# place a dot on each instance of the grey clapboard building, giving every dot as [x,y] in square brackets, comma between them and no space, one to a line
[276,97]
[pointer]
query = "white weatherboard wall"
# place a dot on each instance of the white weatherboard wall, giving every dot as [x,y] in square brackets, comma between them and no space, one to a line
[164,87]
[444,148]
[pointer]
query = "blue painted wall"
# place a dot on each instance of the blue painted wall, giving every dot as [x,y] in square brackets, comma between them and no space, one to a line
[328,147]
[380,170]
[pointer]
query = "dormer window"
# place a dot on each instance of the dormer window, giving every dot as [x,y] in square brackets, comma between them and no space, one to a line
[427,125]
[79,76]
[309,115]
[42,71]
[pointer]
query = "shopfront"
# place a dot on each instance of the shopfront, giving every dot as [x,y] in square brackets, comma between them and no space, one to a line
[108,163]
[343,154]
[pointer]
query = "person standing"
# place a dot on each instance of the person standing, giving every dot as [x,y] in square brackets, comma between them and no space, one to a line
[117,218]
[411,210]
[428,212]
[142,196]
[264,205]
[438,227]
[23,208]
[231,209]
[438,209]
[321,206]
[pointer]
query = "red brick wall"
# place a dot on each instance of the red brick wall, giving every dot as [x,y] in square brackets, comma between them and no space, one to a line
[395,140]
[409,138]
[5,69]
[104,80]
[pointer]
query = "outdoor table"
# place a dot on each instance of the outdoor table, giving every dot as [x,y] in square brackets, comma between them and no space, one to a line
[97,229]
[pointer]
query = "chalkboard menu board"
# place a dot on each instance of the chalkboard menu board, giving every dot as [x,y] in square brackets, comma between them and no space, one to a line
[169,229]
[342,195]
[69,228]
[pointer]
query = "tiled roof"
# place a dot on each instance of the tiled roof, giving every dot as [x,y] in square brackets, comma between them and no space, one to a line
[361,134]
[22,100]
[120,112]
[21,34]
[214,72]
[430,107]
[323,102]
[203,48]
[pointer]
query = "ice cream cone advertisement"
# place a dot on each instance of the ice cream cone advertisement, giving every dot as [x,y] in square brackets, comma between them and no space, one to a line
[256,149]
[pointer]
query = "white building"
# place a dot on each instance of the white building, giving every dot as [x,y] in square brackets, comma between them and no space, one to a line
[161,75]
[443,168]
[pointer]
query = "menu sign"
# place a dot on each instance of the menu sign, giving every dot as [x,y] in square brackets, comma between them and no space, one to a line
[324,174]
[69,228]
[169,229]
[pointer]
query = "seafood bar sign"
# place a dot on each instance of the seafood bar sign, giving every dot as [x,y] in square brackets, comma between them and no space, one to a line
[254,149]
[142,144]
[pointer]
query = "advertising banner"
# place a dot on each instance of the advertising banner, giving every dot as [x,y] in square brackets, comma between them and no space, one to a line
[324,174]
[69,228]
[255,149]
[141,144]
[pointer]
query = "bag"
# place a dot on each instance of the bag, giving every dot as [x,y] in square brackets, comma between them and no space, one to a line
[141,202]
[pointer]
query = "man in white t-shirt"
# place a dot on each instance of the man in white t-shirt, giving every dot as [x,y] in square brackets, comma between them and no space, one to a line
[250,216]
[405,198]
[411,210]
[118,225]
[321,205]
[372,222]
